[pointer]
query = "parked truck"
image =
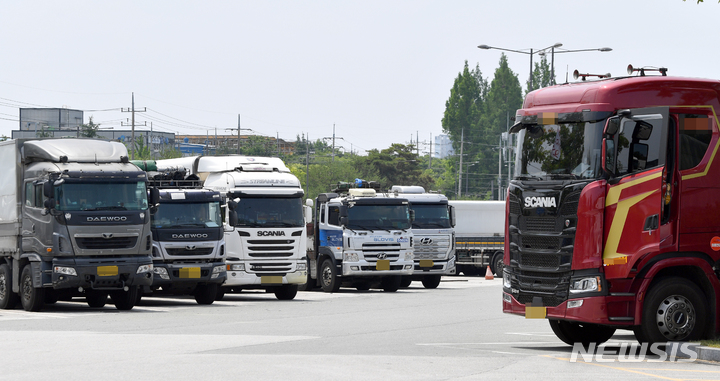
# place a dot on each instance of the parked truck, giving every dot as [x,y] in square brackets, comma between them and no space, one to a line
[265,219]
[361,240]
[479,236]
[612,216]
[188,237]
[75,221]
[433,234]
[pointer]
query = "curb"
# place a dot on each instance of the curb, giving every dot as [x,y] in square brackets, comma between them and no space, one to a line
[685,351]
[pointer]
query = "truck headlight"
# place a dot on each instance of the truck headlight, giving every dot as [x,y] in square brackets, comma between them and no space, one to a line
[218,269]
[592,284]
[350,256]
[65,270]
[161,272]
[142,269]
[506,279]
[302,266]
[236,267]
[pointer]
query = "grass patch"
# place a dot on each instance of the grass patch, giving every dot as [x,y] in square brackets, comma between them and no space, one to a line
[711,343]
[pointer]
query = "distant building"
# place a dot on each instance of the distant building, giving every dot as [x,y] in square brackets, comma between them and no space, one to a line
[443,147]
[214,141]
[40,119]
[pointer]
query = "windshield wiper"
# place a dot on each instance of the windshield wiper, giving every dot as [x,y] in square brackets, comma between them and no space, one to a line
[187,224]
[282,224]
[429,224]
[528,177]
[563,176]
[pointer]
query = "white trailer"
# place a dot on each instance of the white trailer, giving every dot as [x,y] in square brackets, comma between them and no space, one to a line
[479,236]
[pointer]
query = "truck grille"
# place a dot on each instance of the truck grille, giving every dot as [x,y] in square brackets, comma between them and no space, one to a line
[183,251]
[99,243]
[431,247]
[540,260]
[270,267]
[540,242]
[271,248]
[389,250]
[540,224]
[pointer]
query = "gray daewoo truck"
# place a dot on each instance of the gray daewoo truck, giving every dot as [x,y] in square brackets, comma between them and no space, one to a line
[74,221]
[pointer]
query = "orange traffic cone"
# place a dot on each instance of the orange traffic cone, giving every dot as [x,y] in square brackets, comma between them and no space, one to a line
[488,274]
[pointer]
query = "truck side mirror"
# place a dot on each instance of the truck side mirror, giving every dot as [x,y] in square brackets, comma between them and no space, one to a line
[308,213]
[343,221]
[412,215]
[153,196]
[343,211]
[309,202]
[49,203]
[451,210]
[232,217]
[48,189]
[608,154]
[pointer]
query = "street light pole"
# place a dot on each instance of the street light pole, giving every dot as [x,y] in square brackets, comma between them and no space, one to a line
[530,80]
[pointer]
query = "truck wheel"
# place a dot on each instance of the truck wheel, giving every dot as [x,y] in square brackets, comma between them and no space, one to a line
[406,281]
[205,293]
[391,283]
[571,332]
[124,300]
[328,277]
[674,310]
[96,299]
[220,293]
[431,281]
[8,299]
[286,292]
[31,298]
[496,265]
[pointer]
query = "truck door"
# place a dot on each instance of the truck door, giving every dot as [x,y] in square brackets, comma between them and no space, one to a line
[36,224]
[634,198]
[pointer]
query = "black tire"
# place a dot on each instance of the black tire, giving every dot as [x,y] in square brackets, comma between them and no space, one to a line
[124,300]
[205,294]
[220,294]
[31,298]
[96,299]
[406,281]
[328,277]
[391,283]
[496,265]
[362,286]
[675,309]
[572,332]
[8,299]
[286,292]
[431,281]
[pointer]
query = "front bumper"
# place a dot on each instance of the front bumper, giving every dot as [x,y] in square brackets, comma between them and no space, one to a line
[430,267]
[592,309]
[100,274]
[364,268]
[187,274]
[245,278]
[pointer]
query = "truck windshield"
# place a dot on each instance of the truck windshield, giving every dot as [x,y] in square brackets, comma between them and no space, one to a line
[179,215]
[101,196]
[430,216]
[378,217]
[270,212]
[565,151]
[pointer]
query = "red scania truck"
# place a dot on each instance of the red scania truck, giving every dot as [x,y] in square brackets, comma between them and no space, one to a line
[613,216]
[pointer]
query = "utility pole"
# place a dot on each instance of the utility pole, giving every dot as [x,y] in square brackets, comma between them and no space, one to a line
[132,135]
[238,136]
[431,153]
[278,142]
[333,142]
[307,164]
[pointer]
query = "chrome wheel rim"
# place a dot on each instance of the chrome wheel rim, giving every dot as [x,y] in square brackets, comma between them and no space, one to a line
[676,317]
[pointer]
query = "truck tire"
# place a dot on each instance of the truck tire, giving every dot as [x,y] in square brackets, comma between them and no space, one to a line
[328,277]
[31,298]
[205,294]
[96,299]
[675,309]
[286,292]
[571,332]
[431,281]
[124,300]
[391,283]
[220,294]
[8,299]
[406,281]
[496,265]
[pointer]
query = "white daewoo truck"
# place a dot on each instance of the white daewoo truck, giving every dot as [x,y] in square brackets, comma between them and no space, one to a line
[75,221]
[265,234]
[433,233]
[361,240]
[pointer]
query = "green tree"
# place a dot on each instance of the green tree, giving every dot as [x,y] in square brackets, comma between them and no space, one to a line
[542,76]
[396,165]
[89,130]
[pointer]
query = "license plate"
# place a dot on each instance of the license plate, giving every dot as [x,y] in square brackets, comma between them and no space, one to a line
[382,264]
[426,263]
[535,312]
[107,271]
[271,279]
[190,272]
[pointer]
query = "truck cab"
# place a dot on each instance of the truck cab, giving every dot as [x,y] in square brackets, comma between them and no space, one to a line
[361,240]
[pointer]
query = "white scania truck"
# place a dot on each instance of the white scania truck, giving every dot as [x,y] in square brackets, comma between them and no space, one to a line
[265,232]
[74,221]
[362,239]
[432,229]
